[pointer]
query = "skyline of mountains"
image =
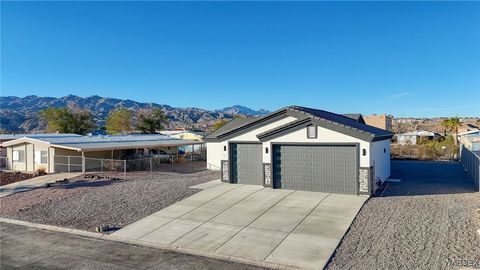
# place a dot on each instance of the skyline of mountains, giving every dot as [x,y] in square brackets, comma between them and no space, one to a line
[20,114]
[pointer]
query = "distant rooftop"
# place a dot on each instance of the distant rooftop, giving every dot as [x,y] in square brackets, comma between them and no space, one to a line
[107,142]
[13,136]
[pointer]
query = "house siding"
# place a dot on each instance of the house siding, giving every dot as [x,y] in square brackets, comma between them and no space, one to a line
[215,152]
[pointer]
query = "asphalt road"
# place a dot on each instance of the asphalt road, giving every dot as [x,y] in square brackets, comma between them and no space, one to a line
[28,248]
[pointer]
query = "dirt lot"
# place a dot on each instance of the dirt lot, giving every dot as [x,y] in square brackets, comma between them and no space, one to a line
[12,177]
[87,203]
[426,221]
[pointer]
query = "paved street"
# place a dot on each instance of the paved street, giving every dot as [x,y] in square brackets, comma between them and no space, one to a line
[27,248]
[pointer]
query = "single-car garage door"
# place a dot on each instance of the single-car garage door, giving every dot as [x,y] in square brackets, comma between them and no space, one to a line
[246,163]
[324,168]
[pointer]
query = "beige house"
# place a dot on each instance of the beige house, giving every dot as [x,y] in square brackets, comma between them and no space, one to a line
[382,121]
[67,152]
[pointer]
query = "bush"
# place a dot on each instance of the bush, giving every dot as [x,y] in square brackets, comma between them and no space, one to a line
[427,150]
[40,171]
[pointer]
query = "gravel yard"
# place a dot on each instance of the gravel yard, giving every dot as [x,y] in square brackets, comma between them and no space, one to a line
[12,177]
[426,221]
[85,204]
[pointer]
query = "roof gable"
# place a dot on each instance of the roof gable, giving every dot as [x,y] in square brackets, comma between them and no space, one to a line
[329,120]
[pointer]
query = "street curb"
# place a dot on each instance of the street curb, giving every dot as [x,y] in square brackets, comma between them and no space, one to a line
[110,237]
[51,228]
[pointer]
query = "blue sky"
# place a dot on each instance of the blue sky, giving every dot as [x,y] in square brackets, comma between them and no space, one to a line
[401,58]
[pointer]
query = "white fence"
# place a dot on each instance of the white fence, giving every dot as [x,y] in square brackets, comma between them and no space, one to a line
[471,163]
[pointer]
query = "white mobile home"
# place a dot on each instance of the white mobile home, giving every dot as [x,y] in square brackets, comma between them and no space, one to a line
[62,152]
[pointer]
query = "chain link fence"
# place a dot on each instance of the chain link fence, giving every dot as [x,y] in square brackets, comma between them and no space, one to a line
[148,166]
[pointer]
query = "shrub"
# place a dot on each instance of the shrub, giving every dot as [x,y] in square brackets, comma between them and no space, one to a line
[40,171]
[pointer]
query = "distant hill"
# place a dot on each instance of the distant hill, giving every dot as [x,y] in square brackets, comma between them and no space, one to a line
[238,109]
[22,114]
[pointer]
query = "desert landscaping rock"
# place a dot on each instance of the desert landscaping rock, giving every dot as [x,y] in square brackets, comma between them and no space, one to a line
[423,222]
[115,204]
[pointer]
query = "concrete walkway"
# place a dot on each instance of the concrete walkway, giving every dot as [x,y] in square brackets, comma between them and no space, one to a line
[35,182]
[283,227]
[30,248]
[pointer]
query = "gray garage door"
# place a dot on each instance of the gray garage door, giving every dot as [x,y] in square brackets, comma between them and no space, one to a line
[323,168]
[246,163]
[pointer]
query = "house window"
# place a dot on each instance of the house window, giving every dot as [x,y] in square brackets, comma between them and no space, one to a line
[312,132]
[41,157]
[19,155]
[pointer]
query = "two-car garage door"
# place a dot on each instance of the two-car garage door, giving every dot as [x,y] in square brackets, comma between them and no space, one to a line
[324,168]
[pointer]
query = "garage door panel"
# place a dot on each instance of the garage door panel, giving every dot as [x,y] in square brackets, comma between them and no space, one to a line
[246,164]
[315,168]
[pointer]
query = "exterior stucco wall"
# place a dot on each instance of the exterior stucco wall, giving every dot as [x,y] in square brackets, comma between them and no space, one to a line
[323,136]
[214,155]
[380,159]
[215,152]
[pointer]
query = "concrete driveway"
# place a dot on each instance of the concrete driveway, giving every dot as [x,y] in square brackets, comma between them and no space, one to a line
[283,227]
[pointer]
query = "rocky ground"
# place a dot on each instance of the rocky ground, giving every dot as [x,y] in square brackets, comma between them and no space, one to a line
[12,177]
[87,203]
[427,221]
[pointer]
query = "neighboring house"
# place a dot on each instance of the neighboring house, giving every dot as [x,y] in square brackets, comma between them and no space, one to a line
[470,140]
[65,152]
[413,137]
[301,149]
[13,136]
[382,121]
[185,134]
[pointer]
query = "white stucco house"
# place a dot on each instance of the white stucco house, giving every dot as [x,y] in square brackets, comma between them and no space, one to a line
[412,137]
[302,149]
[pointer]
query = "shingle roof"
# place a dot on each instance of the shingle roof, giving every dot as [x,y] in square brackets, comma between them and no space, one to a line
[338,121]
[342,120]
[355,116]
[231,125]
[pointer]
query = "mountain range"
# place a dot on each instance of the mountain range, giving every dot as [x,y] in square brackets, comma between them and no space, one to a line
[21,114]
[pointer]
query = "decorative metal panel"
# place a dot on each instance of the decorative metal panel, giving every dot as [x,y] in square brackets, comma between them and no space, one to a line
[225,177]
[267,174]
[364,180]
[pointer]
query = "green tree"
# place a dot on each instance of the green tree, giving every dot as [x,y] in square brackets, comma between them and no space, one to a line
[65,120]
[220,123]
[149,120]
[452,124]
[119,121]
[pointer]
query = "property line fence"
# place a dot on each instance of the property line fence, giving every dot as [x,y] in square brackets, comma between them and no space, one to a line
[134,167]
[471,163]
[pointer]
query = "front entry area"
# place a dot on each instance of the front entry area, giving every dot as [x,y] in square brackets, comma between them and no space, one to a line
[246,163]
[321,168]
